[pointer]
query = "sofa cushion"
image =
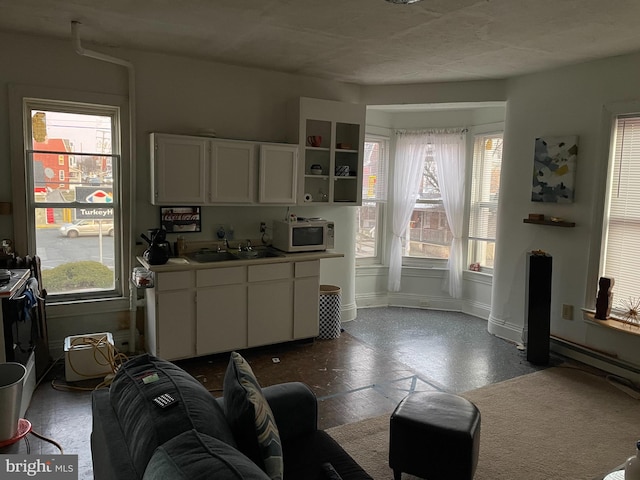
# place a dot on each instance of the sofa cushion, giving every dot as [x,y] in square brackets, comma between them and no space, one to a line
[196,456]
[144,424]
[250,417]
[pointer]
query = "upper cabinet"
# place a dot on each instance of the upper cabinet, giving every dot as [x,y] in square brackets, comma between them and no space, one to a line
[331,139]
[178,166]
[278,174]
[187,170]
[231,172]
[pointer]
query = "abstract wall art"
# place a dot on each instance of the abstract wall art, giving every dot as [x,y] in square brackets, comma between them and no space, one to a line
[554,166]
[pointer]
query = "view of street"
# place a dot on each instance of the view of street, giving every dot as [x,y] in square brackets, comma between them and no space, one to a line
[54,249]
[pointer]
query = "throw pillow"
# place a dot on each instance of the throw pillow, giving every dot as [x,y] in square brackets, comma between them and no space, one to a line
[195,456]
[251,418]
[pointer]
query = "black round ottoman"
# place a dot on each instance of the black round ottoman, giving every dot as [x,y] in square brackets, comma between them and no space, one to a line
[434,435]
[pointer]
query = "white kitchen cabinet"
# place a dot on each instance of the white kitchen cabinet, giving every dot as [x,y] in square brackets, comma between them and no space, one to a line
[188,170]
[270,304]
[170,317]
[178,169]
[195,312]
[306,299]
[278,176]
[221,311]
[232,172]
[331,139]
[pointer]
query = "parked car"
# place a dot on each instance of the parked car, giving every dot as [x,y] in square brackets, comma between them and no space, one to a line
[82,228]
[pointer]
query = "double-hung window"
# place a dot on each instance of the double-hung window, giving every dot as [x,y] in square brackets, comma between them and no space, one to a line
[374,196]
[485,188]
[620,256]
[73,182]
[428,234]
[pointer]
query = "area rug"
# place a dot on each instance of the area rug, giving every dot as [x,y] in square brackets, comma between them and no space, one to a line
[559,423]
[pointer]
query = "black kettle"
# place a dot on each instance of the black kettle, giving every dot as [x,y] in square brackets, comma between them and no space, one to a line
[157,253]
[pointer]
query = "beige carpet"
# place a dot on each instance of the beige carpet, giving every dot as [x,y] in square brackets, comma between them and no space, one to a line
[556,424]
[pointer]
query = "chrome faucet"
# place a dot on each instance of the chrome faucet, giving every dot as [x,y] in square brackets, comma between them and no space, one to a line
[249,245]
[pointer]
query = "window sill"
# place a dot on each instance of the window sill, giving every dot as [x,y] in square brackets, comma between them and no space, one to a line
[588,316]
[88,307]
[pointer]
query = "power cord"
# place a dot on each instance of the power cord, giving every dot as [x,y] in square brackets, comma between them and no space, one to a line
[105,354]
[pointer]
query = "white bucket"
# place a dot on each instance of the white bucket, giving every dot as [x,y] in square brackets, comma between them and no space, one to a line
[11,379]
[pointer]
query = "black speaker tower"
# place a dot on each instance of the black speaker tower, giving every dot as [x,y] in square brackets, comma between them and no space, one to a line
[538,307]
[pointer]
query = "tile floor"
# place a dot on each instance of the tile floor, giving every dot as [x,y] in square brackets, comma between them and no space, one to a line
[383,354]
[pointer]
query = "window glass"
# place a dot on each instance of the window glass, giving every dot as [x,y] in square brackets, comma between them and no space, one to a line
[621,246]
[374,196]
[485,189]
[72,213]
[428,234]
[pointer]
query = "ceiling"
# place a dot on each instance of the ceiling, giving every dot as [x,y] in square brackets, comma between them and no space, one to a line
[368,42]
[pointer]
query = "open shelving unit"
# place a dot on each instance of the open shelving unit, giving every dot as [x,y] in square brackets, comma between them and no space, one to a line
[339,154]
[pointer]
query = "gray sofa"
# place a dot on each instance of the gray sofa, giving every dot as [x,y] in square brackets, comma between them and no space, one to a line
[134,438]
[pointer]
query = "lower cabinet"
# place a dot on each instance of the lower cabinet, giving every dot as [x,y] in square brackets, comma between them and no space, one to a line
[306,299]
[201,312]
[270,315]
[221,310]
[170,318]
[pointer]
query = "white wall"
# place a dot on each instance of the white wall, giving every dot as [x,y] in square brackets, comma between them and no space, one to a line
[567,101]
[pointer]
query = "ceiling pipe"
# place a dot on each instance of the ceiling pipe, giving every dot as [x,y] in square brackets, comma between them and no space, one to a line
[75,34]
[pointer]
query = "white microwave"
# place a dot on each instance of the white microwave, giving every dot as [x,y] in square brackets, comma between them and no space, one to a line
[304,235]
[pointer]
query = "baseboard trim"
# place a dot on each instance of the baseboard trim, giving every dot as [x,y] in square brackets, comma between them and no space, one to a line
[595,359]
[423,301]
[506,330]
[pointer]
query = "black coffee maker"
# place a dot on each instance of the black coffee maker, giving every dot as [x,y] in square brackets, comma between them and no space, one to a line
[159,249]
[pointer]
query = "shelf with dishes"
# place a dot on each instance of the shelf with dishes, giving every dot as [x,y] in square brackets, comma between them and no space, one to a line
[331,137]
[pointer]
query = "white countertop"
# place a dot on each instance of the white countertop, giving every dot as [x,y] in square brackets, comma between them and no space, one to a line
[182,263]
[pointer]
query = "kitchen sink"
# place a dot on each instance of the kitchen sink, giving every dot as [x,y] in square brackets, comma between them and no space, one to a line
[255,253]
[207,256]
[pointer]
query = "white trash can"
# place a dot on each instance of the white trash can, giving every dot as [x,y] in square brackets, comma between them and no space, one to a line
[329,312]
[11,379]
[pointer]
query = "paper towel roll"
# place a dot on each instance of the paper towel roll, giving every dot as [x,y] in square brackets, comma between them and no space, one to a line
[308,197]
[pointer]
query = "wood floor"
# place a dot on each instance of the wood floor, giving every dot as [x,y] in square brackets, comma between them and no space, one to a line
[380,357]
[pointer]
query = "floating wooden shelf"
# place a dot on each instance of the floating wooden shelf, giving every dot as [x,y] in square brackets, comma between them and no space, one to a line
[550,222]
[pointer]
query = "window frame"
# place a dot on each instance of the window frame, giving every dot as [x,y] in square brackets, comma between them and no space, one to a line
[470,204]
[381,205]
[24,238]
[608,218]
[601,189]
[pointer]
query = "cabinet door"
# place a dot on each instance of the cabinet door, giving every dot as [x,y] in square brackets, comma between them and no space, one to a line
[306,307]
[278,174]
[175,324]
[178,170]
[231,172]
[306,299]
[270,313]
[221,319]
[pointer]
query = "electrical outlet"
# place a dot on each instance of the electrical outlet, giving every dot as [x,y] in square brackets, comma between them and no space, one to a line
[567,311]
[263,227]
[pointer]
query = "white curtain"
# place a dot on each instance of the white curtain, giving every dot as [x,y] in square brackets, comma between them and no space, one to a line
[411,149]
[449,153]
